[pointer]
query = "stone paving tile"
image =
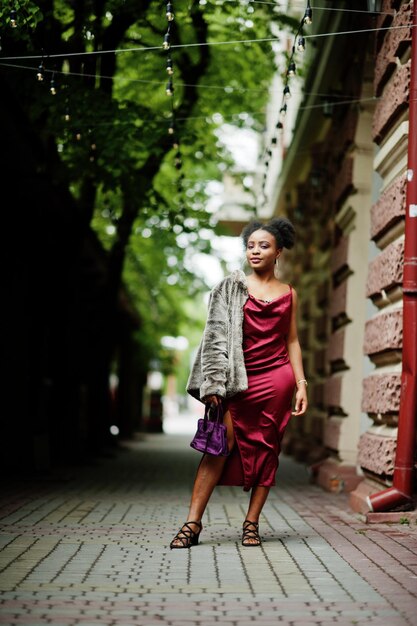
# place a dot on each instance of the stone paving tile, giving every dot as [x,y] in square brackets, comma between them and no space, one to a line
[93,549]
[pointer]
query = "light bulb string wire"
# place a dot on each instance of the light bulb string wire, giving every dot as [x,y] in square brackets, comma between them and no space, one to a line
[267,154]
[172,129]
[206,43]
[232,116]
[315,8]
[233,88]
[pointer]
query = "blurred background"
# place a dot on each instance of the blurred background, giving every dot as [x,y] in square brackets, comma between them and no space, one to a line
[137,139]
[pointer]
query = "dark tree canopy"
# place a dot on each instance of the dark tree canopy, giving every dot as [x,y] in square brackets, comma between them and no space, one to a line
[107,202]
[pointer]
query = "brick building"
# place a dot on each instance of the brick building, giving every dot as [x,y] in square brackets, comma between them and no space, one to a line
[343,184]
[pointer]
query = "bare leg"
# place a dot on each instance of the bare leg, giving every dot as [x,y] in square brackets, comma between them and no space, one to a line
[257,500]
[207,477]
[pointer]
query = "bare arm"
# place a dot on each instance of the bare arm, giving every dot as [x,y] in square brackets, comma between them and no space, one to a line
[294,353]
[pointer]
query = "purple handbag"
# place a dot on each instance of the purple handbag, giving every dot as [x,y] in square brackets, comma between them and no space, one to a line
[210,437]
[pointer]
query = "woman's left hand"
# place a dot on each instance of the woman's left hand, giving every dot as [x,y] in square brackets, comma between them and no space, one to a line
[301,402]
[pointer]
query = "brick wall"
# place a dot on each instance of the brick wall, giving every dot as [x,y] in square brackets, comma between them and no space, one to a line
[383,332]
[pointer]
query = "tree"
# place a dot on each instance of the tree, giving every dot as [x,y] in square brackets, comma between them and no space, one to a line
[131,196]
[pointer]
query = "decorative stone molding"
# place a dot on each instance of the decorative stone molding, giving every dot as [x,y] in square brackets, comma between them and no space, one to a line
[339,257]
[335,349]
[386,271]
[338,300]
[393,46]
[322,327]
[317,428]
[343,186]
[320,361]
[332,430]
[377,454]
[381,393]
[322,294]
[335,477]
[333,392]
[390,207]
[384,332]
[395,101]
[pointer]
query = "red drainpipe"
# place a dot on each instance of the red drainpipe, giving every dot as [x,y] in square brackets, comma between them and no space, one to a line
[401,491]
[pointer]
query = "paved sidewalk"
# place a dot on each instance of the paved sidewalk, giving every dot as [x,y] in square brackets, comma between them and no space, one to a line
[93,550]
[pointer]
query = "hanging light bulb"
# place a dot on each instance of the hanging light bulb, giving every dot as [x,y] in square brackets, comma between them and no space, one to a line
[176,143]
[301,46]
[78,136]
[291,69]
[170,66]
[67,115]
[167,41]
[52,87]
[13,18]
[171,128]
[287,92]
[283,110]
[170,12]
[274,141]
[308,15]
[41,72]
[169,88]
[280,126]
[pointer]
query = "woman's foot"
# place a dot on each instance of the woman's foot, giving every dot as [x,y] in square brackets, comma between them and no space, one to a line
[250,535]
[187,536]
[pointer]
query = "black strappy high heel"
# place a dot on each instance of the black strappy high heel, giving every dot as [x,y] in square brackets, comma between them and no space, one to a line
[186,536]
[250,534]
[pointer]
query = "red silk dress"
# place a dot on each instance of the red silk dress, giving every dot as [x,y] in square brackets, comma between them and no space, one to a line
[261,413]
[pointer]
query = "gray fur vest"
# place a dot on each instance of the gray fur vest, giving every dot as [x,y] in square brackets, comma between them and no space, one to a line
[219,366]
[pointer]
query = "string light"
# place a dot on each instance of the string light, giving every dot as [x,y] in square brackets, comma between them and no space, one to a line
[13,18]
[205,43]
[299,39]
[52,86]
[308,15]
[41,72]
[167,41]
[170,12]
[291,69]
[169,88]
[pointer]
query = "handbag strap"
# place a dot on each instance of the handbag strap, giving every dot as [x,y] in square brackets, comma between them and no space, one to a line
[219,413]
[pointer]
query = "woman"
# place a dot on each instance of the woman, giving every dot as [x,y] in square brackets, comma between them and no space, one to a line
[250,360]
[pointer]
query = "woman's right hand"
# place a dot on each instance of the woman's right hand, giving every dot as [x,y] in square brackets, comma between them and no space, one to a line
[213,400]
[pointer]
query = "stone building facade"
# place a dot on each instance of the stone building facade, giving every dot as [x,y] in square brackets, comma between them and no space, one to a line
[343,185]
